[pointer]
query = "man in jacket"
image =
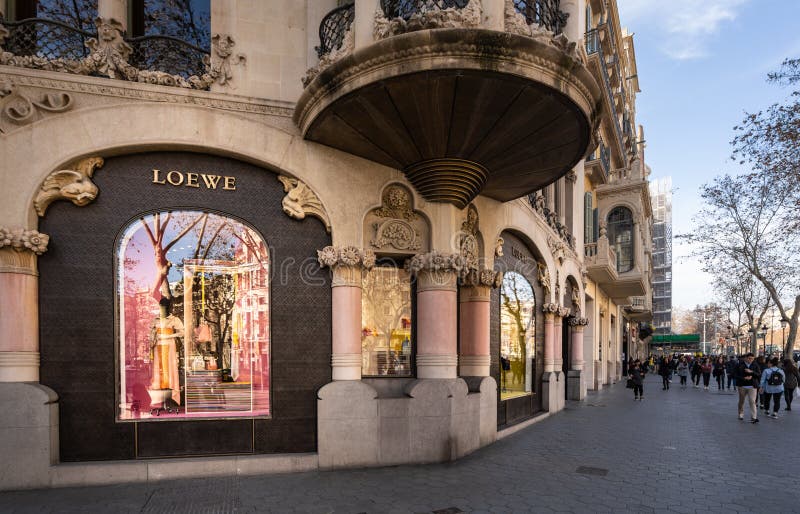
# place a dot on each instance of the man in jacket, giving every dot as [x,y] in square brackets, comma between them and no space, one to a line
[730,370]
[772,381]
[748,378]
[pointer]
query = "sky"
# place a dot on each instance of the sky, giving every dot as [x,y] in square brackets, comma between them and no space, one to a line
[701,65]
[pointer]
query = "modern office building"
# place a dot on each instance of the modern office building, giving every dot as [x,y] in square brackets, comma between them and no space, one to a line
[247,237]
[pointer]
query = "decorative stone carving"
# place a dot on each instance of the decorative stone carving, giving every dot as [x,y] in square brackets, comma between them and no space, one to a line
[603,228]
[578,322]
[550,308]
[346,48]
[483,277]
[300,201]
[394,227]
[571,176]
[20,240]
[73,185]
[438,261]
[563,312]
[430,16]
[576,299]
[109,57]
[468,243]
[21,108]
[556,248]
[498,247]
[544,278]
[516,23]
[346,264]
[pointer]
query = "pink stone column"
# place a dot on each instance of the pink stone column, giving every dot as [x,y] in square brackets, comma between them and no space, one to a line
[436,324]
[549,340]
[558,357]
[474,360]
[346,265]
[576,352]
[19,304]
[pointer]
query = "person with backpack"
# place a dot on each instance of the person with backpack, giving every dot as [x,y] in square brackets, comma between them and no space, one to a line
[772,384]
[792,379]
[705,369]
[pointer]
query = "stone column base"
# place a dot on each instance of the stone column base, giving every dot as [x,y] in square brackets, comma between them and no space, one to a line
[474,365]
[19,366]
[576,388]
[346,366]
[553,391]
[28,435]
[436,366]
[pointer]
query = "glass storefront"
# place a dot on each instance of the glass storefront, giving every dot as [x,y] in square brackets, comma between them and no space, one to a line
[193,318]
[517,330]
[386,343]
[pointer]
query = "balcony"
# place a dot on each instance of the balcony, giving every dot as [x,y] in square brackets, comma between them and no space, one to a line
[598,165]
[600,64]
[640,309]
[600,261]
[464,110]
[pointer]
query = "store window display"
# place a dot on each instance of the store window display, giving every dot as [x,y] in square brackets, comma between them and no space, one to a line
[193,297]
[386,336]
[517,329]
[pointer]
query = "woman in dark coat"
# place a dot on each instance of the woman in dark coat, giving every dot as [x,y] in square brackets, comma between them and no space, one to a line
[665,372]
[637,377]
[792,379]
[719,372]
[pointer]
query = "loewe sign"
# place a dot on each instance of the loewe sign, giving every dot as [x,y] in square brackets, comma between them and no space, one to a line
[190,179]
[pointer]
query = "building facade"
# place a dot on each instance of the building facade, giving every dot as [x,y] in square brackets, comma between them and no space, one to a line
[312,236]
[661,194]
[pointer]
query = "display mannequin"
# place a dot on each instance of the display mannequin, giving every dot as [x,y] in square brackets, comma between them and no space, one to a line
[166,331]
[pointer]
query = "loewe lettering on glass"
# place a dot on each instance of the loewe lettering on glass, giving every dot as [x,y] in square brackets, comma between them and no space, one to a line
[191,179]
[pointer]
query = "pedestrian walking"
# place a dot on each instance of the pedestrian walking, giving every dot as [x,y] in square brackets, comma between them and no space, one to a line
[730,370]
[719,372]
[695,371]
[772,383]
[748,377]
[792,379]
[705,369]
[761,362]
[666,373]
[637,377]
[683,371]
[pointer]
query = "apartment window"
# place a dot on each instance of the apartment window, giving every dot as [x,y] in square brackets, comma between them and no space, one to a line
[588,219]
[193,339]
[620,235]
[187,20]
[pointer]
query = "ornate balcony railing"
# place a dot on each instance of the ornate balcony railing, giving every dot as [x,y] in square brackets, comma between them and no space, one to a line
[166,53]
[603,154]
[544,13]
[333,28]
[45,39]
[593,46]
[406,8]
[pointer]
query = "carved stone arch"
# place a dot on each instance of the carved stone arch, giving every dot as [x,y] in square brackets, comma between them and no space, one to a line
[537,243]
[636,212]
[395,227]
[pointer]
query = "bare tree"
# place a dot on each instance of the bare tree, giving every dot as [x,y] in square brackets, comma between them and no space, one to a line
[745,296]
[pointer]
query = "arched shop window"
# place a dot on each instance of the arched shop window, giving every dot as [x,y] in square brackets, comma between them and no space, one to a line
[386,334]
[517,330]
[620,235]
[193,318]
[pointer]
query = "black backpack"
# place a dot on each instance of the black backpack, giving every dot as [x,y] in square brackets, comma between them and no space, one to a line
[775,378]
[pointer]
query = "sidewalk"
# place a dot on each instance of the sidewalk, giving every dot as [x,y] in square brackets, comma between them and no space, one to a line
[676,451]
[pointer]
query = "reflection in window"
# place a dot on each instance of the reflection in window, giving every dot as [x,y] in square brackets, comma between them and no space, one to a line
[620,236]
[187,20]
[193,318]
[386,317]
[517,330]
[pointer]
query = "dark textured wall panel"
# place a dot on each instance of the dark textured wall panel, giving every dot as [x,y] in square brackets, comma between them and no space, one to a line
[77,307]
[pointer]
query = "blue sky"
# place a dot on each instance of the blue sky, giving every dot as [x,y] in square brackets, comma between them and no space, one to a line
[701,65]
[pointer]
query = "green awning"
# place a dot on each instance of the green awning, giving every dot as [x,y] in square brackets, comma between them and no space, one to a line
[675,338]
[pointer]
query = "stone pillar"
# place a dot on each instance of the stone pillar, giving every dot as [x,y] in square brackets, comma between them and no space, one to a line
[346,266]
[576,22]
[576,384]
[494,14]
[19,304]
[558,350]
[474,323]
[549,337]
[436,314]
[114,9]
[365,21]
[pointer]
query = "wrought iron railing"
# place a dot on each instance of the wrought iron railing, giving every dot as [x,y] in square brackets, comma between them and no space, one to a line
[593,44]
[603,154]
[167,53]
[54,40]
[544,13]
[333,28]
[47,39]
[406,8]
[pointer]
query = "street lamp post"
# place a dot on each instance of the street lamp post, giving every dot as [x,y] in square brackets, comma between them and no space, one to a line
[784,322]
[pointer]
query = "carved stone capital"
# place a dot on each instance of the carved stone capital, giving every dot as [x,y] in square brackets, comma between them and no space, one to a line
[74,185]
[440,262]
[550,308]
[564,312]
[346,264]
[300,201]
[482,277]
[578,323]
[19,248]
[571,176]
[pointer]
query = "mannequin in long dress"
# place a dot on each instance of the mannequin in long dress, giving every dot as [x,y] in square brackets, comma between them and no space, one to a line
[166,331]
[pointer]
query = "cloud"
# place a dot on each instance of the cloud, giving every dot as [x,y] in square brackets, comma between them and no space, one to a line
[684,26]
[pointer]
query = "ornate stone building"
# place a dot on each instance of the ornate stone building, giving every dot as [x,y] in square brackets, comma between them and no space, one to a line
[314,236]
